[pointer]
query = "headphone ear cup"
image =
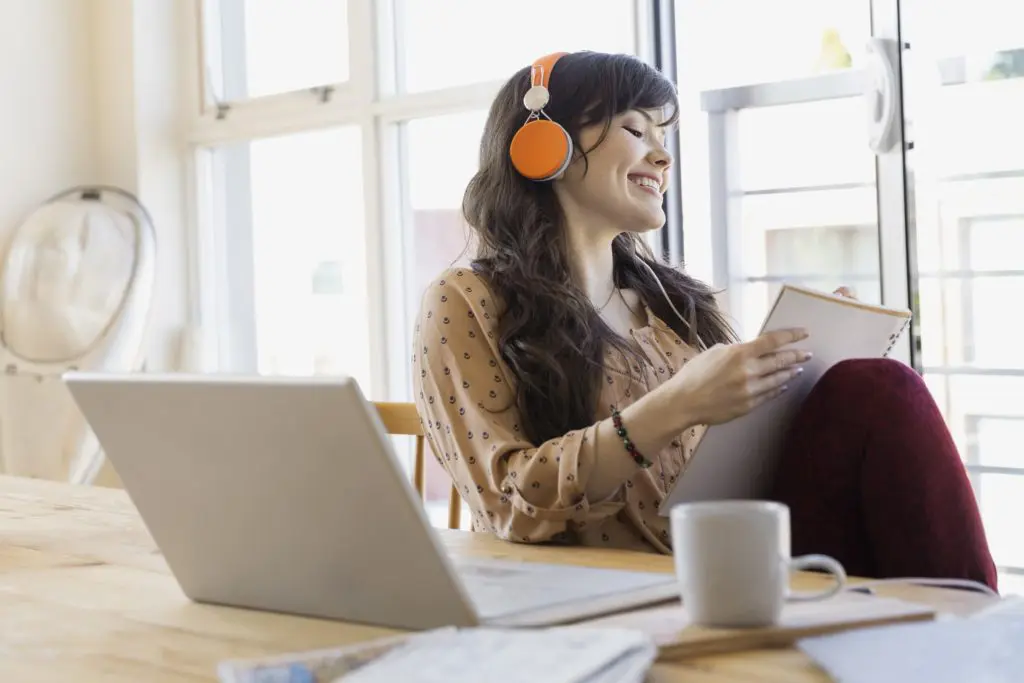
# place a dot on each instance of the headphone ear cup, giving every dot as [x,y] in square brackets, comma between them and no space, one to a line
[541,150]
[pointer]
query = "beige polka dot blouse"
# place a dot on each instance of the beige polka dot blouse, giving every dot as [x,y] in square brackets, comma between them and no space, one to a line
[527,492]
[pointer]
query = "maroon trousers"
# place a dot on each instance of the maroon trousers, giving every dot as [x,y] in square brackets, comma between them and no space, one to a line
[873,478]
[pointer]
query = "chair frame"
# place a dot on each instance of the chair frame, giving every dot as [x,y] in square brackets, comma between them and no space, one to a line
[402,419]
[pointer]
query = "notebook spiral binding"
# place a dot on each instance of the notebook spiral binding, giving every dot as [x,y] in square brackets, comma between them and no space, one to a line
[896,337]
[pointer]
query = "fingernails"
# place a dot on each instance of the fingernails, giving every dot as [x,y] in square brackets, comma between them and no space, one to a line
[785,387]
[799,370]
[808,355]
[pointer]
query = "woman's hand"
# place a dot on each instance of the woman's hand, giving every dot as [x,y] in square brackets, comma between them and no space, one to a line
[728,381]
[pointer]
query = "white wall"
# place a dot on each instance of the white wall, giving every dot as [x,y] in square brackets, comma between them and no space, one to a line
[141,91]
[47,118]
[93,93]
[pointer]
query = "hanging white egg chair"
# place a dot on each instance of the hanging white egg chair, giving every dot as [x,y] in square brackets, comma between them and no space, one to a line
[77,289]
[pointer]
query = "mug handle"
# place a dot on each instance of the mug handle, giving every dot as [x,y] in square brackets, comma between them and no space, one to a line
[831,565]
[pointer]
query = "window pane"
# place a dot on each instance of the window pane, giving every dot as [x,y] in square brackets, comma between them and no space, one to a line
[815,36]
[446,43]
[296,204]
[804,145]
[966,323]
[981,411]
[822,239]
[265,47]
[943,113]
[309,254]
[441,154]
[1000,496]
[996,442]
[994,244]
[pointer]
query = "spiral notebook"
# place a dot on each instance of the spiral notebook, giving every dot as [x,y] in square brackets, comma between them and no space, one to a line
[737,459]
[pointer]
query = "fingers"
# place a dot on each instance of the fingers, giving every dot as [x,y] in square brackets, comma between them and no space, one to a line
[773,384]
[769,395]
[780,360]
[770,341]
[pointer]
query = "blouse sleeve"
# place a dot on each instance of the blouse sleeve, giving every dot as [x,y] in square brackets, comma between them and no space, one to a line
[465,397]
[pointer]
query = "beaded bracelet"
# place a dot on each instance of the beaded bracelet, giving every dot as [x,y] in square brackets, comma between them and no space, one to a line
[638,458]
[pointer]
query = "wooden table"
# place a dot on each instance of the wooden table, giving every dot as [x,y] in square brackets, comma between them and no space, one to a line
[86,596]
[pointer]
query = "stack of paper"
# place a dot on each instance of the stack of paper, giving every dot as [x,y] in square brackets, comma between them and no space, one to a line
[556,655]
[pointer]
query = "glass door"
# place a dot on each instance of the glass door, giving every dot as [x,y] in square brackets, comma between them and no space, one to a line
[964,100]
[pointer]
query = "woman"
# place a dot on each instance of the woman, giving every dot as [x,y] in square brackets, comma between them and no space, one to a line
[565,379]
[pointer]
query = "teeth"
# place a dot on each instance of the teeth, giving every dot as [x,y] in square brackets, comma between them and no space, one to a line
[646,182]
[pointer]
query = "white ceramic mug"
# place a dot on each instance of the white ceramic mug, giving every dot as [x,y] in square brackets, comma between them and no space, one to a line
[733,561]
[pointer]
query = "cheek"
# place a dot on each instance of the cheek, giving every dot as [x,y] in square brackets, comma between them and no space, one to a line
[611,165]
[605,167]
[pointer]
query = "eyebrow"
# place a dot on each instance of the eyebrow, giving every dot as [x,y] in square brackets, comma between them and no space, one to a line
[650,119]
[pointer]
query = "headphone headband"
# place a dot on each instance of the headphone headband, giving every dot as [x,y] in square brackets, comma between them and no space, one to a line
[540,70]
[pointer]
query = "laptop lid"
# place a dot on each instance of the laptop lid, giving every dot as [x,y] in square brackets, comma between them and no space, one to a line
[274,493]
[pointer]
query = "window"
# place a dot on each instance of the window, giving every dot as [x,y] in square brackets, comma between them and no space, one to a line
[267,47]
[968,210]
[294,269]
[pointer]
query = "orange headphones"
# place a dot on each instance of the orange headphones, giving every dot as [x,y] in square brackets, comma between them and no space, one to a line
[541,149]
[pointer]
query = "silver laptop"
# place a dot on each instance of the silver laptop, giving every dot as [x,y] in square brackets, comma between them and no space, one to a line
[285,494]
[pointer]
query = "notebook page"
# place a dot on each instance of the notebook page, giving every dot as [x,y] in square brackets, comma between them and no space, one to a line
[739,456]
[840,328]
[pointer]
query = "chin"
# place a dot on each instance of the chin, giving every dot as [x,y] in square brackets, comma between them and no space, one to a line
[647,222]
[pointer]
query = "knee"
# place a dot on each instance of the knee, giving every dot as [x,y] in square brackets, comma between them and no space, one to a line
[859,369]
[875,378]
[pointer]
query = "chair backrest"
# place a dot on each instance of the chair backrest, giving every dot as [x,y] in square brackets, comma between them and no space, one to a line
[402,419]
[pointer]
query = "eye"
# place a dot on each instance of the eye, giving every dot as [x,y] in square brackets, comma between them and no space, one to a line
[634,132]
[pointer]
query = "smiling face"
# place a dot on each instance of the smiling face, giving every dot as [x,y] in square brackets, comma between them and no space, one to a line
[619,184]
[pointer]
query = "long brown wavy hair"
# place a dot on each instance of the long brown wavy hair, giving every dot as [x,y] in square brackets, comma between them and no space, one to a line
[550,334]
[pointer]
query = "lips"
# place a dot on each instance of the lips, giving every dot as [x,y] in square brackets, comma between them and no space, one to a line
[646,182]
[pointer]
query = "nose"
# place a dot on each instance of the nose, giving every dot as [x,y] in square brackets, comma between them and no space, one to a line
[659,155]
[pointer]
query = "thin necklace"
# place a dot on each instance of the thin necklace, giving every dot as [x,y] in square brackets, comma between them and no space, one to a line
[614,290]
[626,304]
